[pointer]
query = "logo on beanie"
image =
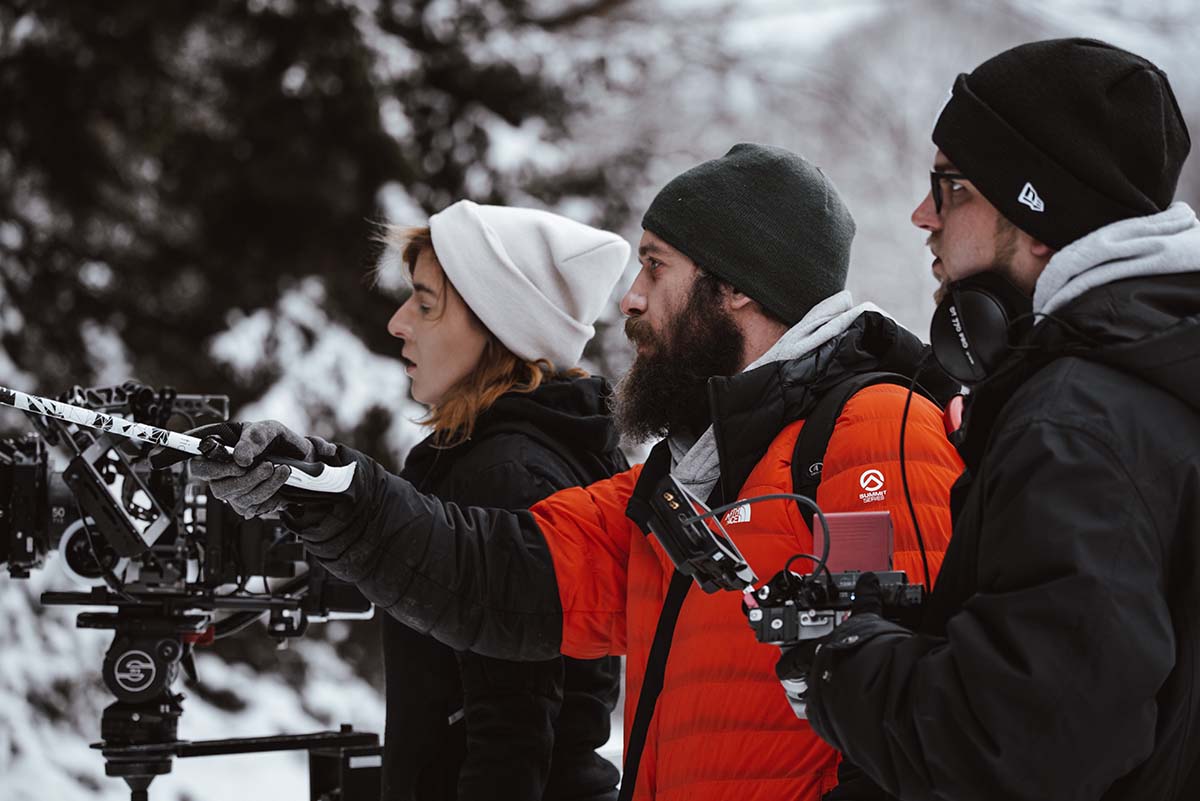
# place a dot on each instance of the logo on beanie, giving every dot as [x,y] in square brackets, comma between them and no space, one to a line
[1030,198]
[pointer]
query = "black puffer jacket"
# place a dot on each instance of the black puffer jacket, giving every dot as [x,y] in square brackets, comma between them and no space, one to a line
[530,729]
[1060,655]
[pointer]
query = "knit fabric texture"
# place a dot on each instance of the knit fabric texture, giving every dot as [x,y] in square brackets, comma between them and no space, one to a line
[763,219]
[1066,136]
[537,280]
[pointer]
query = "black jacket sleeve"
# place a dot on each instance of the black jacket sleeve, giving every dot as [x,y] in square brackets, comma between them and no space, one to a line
[1044,683]
[476,579]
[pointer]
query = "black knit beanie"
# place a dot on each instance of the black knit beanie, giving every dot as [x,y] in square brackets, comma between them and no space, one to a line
[763,219]
[1066,136]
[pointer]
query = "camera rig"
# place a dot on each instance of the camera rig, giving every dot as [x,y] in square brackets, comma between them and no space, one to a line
[151,544]
[790,608]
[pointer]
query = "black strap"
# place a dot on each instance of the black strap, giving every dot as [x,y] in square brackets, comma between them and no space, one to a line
[657,464]
[652,681]
[808,455]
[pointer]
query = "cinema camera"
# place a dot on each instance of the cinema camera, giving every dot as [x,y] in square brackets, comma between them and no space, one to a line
[177,566]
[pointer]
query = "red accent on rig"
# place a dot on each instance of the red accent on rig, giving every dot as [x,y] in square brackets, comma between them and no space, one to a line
[201,638]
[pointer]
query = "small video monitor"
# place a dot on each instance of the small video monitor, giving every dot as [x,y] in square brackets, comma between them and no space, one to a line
[857,541]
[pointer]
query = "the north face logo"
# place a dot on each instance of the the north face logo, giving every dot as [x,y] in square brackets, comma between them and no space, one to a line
[1030,198]
[872,483]
[740,514]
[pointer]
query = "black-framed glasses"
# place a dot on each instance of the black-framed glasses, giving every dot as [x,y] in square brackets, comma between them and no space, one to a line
[935,185]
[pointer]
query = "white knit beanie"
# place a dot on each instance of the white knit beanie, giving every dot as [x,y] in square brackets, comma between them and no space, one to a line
[536,280]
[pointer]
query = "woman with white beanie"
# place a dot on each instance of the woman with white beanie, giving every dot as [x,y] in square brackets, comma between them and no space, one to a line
[503,303]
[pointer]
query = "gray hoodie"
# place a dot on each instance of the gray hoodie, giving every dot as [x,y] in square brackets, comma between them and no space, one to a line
[1159,244]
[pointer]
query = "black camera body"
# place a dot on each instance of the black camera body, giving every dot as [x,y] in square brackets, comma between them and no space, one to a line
[108,508]
[29,518]
[791,609]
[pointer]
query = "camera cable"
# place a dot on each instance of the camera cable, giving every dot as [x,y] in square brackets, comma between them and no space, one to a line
[800,500]
[912,511]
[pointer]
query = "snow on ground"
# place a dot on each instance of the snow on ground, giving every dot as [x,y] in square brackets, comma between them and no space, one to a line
[50,694]
[51,699]
[332,695]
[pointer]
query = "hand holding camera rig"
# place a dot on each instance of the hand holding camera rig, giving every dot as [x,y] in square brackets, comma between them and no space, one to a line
[796,612]
[800,612]
[135,529]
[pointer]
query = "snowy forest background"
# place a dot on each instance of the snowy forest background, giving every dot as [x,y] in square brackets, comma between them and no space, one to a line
[189,193]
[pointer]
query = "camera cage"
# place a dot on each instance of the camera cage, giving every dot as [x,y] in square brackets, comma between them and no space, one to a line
[152,544]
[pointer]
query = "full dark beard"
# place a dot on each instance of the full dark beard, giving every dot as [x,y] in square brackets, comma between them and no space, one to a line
[666,389]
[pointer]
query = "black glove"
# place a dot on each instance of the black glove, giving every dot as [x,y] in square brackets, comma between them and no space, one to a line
[854,785]
[794,667]
[843,646]
[868,596]
[253,489]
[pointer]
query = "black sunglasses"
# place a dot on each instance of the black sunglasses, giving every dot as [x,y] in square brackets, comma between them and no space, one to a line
[935,185]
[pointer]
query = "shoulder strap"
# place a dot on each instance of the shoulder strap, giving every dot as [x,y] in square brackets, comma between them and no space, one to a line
[657,463]
[808,455]
[652,681]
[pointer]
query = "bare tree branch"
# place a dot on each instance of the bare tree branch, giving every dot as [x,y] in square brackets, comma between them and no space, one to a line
[570,16]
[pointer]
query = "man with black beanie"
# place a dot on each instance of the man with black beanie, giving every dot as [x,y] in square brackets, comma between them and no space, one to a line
[742,326]
[1059,655]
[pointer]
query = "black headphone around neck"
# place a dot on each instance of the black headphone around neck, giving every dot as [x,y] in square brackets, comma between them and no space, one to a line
[976,324]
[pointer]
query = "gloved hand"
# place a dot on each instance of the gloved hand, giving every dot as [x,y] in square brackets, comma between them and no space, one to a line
[794,666]
[252,489]
[855,785]
[851,649]
[868,596]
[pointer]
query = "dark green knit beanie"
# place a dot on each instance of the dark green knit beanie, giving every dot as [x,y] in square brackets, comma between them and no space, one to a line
[763,219]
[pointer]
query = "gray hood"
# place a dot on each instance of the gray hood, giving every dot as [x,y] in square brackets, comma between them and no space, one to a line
[1159,244]
[1129,295]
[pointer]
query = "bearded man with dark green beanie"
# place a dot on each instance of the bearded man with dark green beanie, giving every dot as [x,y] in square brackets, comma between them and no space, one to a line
[743,329]
[760,218]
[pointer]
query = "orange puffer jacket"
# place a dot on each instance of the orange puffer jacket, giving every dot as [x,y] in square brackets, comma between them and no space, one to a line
[722,728]
[575,576]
